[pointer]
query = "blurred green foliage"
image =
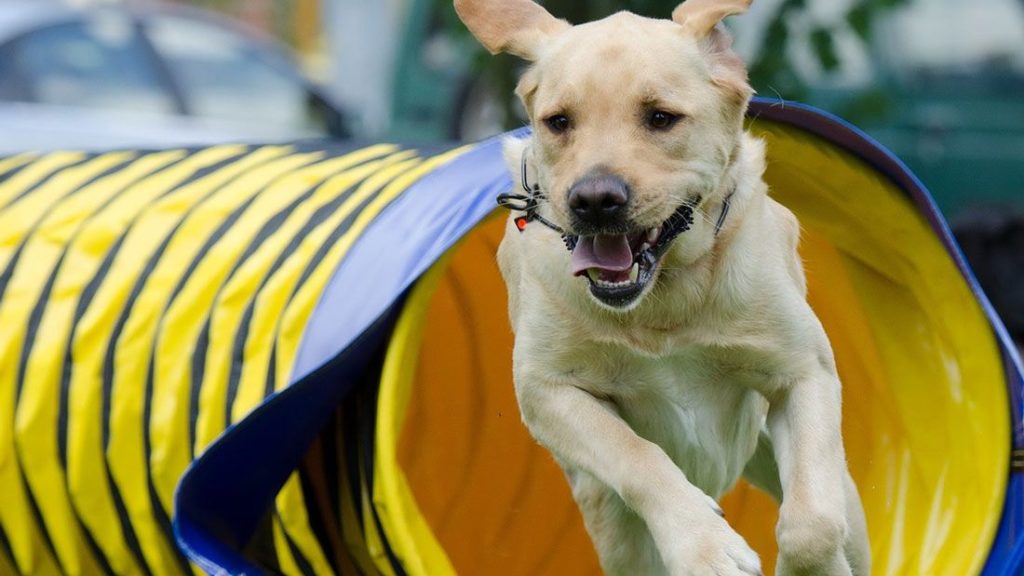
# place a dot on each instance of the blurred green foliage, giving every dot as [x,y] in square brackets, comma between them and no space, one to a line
[772,73]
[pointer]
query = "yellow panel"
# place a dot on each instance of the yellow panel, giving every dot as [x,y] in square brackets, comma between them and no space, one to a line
[926,417]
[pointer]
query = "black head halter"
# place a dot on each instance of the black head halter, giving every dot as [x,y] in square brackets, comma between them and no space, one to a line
[529,203]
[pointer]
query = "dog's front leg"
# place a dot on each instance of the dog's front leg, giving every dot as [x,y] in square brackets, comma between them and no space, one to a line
[821,529]
[586,434]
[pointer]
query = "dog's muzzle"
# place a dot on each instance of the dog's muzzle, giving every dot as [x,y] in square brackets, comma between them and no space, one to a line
[620,266]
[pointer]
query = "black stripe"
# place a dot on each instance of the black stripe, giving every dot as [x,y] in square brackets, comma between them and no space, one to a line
[311,267]
[199,354]
[108,387]
[85,300]
[367,438]
[304,566]
[78,188]
[127,530]
[269,227]
[35,317]
[238,345]
[271,383]
[5,549]
[331,466]
[38,516]
[13,172]
[314,511]
[351,410]
[97,552]
[44,180]
[108,368]
[159,514]
[198,368]
[5,276]
[33,325]
[260,549]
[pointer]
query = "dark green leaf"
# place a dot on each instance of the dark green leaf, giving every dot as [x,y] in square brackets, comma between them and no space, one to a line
[790,5]
[860,20]
[825,49]
[869,106]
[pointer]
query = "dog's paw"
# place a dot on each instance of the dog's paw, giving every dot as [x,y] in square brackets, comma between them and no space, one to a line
[716,551]
[811,542]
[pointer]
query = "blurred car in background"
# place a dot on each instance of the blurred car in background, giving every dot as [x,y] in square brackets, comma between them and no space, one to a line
[110,77]
[939,82]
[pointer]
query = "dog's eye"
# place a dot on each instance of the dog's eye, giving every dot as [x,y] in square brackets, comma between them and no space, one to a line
[661,120]
[558,123]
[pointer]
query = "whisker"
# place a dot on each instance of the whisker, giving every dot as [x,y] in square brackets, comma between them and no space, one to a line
[704,216]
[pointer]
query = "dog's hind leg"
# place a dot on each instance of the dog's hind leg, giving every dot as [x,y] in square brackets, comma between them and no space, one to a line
[624,544]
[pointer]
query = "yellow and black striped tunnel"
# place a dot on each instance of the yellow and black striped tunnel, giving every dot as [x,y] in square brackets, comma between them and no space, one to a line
[147,301]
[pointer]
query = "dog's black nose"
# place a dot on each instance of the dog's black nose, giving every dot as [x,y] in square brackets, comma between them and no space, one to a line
[599,200]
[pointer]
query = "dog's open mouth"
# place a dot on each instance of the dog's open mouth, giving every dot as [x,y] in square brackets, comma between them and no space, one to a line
[620,266]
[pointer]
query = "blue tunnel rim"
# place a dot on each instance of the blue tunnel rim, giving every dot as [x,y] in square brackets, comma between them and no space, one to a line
[1006,555]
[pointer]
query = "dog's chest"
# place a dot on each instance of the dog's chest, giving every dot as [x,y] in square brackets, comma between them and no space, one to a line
[706,424]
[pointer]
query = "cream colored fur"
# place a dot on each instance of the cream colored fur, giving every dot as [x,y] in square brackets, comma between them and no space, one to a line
[655,409]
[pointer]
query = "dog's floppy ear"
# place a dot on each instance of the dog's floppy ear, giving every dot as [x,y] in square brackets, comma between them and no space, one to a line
[702,19]
[699,17]
[519,27]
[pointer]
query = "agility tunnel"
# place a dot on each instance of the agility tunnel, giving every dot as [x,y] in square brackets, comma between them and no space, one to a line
[296,359]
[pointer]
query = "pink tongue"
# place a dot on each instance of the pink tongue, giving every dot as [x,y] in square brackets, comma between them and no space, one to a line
[610,253]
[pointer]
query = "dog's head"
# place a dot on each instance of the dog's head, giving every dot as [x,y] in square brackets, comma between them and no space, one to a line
[635,124]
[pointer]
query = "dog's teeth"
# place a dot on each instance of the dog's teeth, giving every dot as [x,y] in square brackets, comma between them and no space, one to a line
[634,273]
[653,233]
[594,275]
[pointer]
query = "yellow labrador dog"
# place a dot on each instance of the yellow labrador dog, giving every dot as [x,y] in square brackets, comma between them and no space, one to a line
[671,346]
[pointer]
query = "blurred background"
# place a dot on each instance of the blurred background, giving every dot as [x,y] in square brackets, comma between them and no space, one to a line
[939,82]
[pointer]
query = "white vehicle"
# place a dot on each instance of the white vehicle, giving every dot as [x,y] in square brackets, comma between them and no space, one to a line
[114,77]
